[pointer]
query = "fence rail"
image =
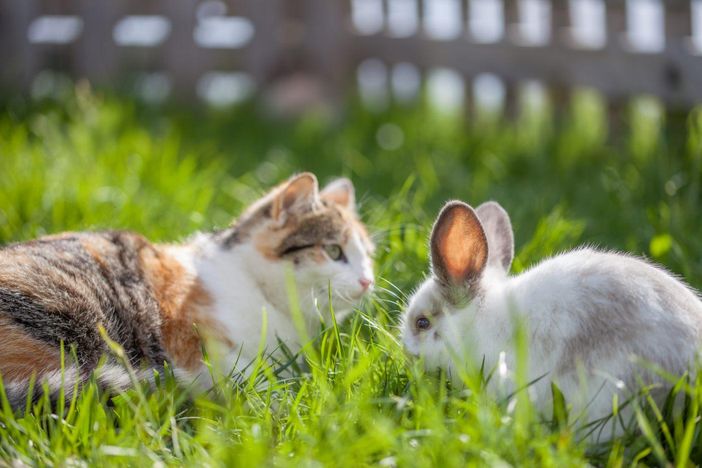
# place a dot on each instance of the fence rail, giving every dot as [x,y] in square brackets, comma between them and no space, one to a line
[106,41]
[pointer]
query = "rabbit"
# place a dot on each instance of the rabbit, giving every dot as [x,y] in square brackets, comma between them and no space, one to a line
[591,317]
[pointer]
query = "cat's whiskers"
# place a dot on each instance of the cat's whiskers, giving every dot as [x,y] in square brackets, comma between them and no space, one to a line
[402,294]
[394,298]
[148,297]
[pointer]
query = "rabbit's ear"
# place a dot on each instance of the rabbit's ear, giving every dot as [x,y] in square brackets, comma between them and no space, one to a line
[459,248]
[498,230]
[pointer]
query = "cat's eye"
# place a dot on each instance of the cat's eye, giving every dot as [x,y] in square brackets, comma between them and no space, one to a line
[334,251]
[295,249]
[423,323]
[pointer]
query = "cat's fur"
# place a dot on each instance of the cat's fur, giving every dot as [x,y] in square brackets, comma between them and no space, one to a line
[159,302]
[588,314]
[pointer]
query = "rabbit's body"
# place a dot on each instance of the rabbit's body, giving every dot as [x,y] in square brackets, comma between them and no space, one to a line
[588,313]
[591,317]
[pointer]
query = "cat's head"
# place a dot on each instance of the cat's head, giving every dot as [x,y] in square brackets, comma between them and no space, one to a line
[469,249]
[314,233]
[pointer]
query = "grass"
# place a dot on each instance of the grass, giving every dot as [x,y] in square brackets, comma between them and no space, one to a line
[87,161]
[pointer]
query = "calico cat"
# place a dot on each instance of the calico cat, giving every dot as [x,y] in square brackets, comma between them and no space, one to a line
[161,303]
[591,317]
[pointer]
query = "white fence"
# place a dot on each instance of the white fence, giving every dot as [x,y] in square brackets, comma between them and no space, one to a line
[182,46]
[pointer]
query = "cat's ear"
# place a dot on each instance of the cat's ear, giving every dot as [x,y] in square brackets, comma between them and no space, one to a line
[341,192]
[298,195]
[498,230]
[459,248]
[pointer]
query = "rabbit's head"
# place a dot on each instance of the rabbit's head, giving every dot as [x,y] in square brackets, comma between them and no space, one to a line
[470,249]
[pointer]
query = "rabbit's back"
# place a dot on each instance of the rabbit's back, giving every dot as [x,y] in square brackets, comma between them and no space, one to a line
[592,312]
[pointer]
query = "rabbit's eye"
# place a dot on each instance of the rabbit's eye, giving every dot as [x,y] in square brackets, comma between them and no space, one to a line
[423,323]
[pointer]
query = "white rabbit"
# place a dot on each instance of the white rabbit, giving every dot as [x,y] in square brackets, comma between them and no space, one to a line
[586,313]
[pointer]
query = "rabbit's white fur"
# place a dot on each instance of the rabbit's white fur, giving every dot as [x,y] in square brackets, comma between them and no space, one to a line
[591,317]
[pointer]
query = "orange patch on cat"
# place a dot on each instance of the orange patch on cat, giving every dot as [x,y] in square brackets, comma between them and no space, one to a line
[319,257]
[97,247]
[23,355]
[183,301]
[267,244]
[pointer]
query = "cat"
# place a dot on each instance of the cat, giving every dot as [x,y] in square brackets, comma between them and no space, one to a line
[162,303]
[586,314]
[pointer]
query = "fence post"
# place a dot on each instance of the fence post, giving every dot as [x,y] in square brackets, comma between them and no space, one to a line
[420,17]
[19,63]
[326,43]
[384,5]
[96,54]
[8,51]
[465,17]
[678,20]
[616,22]
[512,25]
[559,91]
[511,19]
[616,27]
[263,53]
[678,36]
[560,20]
[183,59]
[469,110]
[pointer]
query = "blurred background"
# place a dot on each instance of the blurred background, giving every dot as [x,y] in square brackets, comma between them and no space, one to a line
[168,116]
[297,54]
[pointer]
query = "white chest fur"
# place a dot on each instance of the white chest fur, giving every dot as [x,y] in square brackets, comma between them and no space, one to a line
[248,302]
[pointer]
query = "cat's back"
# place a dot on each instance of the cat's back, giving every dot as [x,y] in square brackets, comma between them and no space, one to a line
[69,260]
[60,288]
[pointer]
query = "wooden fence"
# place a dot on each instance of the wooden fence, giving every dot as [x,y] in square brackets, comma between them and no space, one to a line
[99,41]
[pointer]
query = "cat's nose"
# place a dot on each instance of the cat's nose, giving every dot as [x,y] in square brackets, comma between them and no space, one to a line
[365,283]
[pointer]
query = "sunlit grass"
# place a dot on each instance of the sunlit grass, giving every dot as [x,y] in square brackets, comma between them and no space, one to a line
[91,162]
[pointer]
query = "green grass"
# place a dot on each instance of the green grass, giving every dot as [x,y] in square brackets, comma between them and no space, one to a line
[91,162]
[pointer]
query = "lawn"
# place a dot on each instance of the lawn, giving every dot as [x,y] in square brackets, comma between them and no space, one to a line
[90,161]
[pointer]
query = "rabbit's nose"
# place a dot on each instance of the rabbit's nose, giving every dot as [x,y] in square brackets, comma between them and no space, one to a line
[365,283]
